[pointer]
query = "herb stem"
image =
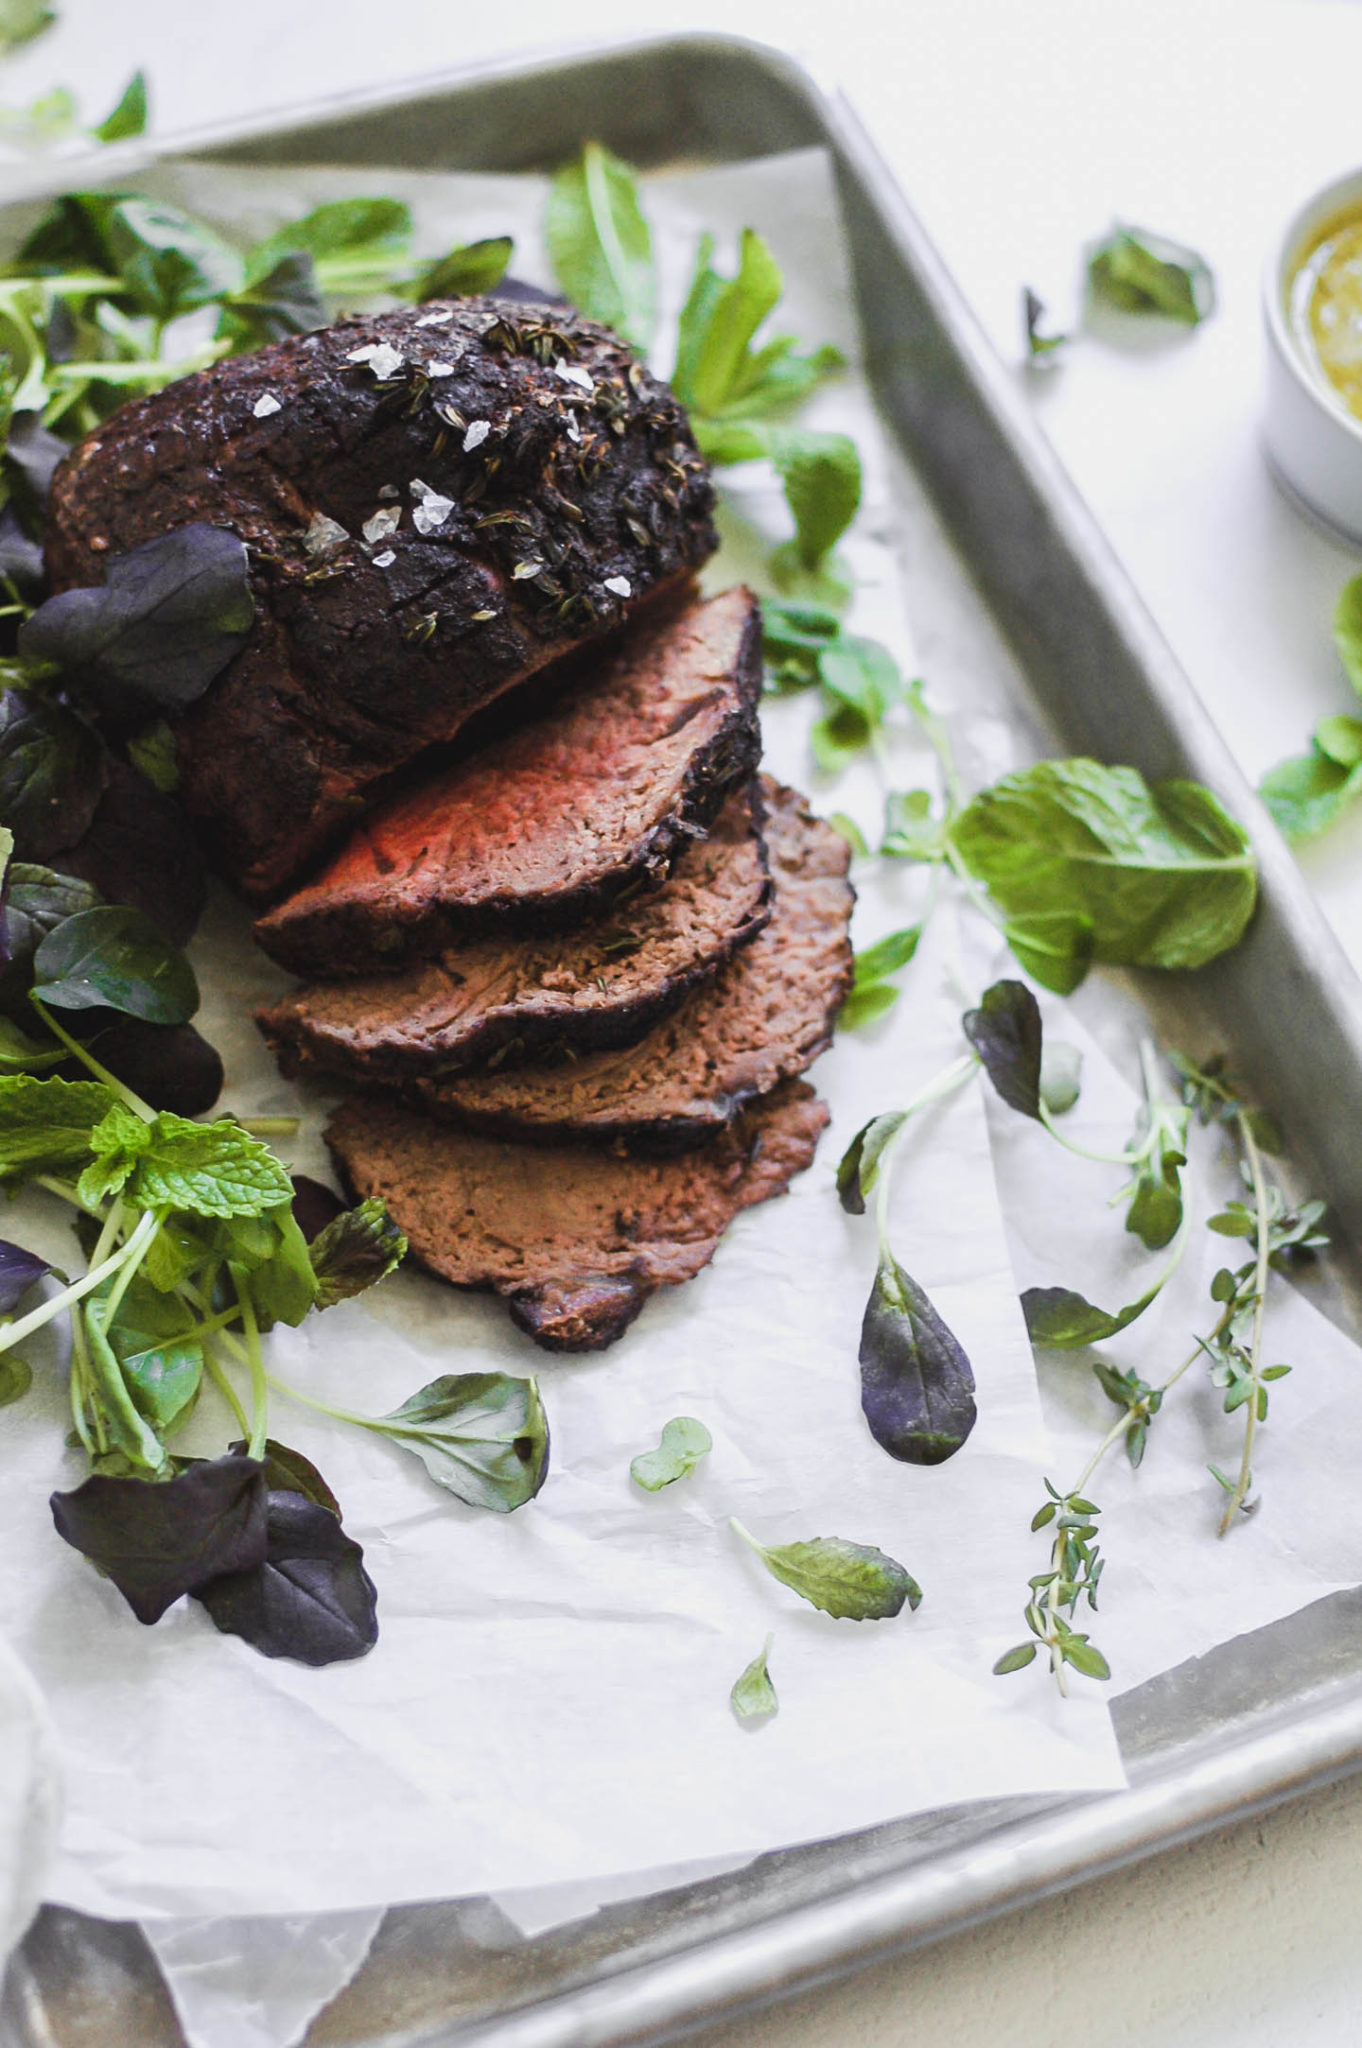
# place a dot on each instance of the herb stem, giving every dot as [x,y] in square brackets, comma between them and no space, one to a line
[225,1388]
[67,1193]
[79,1387]
[936,1090]
[260,1399]
[91,1064]
[15,1333]
[324,1407]
[937,734]
[1260,1203]
[270,1126]
[1123,1158]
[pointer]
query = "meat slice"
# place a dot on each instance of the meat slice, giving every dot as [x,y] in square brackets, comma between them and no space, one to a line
[766,1016]
[603,984]
[551,820]
[574,1238]
[438,501]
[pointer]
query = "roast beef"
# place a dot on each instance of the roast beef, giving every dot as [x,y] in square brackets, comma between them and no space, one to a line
[766,1016]
[551,819]
[573,1237]
[438,501]
[517,995]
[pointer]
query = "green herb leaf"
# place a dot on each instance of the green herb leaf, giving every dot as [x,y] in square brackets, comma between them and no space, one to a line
[1310,793]
[169,263]
[22,21]
[753,1696]
[600,244]
[864,1005]
[46,1125]
[851,1581]
[355,244]
[152,753]
[471,268]
[1015,1660]
[1039,346]
[1061,1071]
[482,1435]
[821,476]
[871,992]
[1143,273]
[162,1365]
[684,1443]
[117,959]
[16,1377]
[286,300]
[910,830]
[1164,876]
[51,774]
[1348,631]
[1085,1657]
[355,1251]
[35,901]
[129,117]
[719,376]
[1055,947]
[118,1142]
[1058,1319]
[210,1170]
[917,1385]
[165,623]
[860,1163]
[283,1286]
[1005,1031]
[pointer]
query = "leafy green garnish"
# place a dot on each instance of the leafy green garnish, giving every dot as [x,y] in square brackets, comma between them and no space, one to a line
[117,959]
[208,1170]
[873,990]
[1040,347]
[1143,273]
[1310,793]
[917,1385]
[22,21]
[1161,876]
[1060,1320]
[354,1251]
[129,117]
[356,245]
[851,1581]
[753,1696]
[481,1435]
[684,1443]
[47,1125]
[1005,1031]
[469,268]
[860,1163]
[600,244]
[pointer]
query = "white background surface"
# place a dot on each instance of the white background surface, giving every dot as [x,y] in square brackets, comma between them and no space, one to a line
[1018,131]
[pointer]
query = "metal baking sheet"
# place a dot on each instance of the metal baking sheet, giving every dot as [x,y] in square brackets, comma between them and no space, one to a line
[1265,1717]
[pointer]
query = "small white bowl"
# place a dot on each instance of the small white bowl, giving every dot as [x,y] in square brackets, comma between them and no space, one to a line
[1313,442]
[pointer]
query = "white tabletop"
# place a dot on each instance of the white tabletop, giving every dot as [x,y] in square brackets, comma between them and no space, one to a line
[1018,132]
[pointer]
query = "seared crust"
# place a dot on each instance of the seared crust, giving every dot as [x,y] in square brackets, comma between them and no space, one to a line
[584,494]
[603,984]
[575,1238]
[548,823]
[766,1016]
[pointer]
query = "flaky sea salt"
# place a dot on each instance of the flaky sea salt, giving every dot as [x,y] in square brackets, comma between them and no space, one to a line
[439,369]
[382,523]
[477,433]
[324,536]
[384,360]
[385,560]
[621,586]
[573,373]
[435,319]
[432,512]
[265,405]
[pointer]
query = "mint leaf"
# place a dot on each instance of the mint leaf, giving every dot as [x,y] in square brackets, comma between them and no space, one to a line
[851,1581]
[47,1125]
[209,1169]
[821,475]
[753,1696]
[118,1142]
[471,267]
[1139,272]
[684,1443]
[481,1435]
[600,244]
[718,375]
[355,1250]
[1054,946]
[355,244]
[1163,875]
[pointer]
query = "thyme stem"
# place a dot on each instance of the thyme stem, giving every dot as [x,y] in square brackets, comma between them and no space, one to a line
[1260,1203]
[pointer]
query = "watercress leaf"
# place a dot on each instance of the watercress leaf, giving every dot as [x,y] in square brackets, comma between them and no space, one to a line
[162,1364]
[352,242]
[1139,272]
[169,263]
[115,958]
[600,244]
[910,831]
[482,1435]
[139,851]
[19,1270]
[1341,739]
[1015,1660]
[159,1539]
[1348,631]
[286,300]
[469,268]
[859,1167]
[1061,1071]
[1166,877]
[46,1125]
[35,900]
[1058,1319]
[917,1385]
[16,1377]
[129,117]
[51,774]
[1055,947]
[753,1696]
[308,1598]
[684,1442]
[1038,345]
[864,1005]
[852,834]
[355,1250]
[821,477]
[211,1170]
[887,956]
[1005,1031]
[22,21]
[283,1286]
[1155,1211]
[851,1581]
[21,1054]
[1309,794]
[168,619]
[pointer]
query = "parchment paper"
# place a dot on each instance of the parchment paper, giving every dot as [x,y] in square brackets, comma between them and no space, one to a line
[548,1700]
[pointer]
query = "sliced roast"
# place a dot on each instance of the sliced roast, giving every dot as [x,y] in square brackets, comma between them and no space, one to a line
[438,501]
[765,1016]
[517,996]
[555,817]
[574,1238]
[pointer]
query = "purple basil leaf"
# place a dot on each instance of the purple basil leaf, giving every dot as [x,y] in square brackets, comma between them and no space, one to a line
[51,774]
[166,621]
[171,1066]
[18,1272]
[917,1386]
[314,1205]
[138,850]
[310,1598]
[288,1471]
[1005,1031]
[157,1539]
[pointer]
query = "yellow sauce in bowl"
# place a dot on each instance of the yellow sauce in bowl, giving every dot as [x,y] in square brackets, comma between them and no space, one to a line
[1324,308]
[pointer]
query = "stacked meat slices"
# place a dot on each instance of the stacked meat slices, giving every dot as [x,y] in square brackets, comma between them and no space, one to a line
[577,975]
